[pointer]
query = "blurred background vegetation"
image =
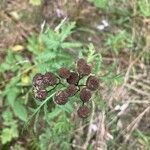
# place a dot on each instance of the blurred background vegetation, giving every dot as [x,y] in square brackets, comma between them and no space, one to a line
[44,35]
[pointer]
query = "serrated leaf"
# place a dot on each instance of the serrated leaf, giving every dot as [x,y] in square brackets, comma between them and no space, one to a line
[66,108]
[66,30]
[98,63]
[67,45]
[118,79]
[55,112]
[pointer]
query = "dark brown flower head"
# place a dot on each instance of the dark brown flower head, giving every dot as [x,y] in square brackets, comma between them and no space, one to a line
[71,90]
[92,83]
[61,97]
[73,79]
[40,94]
[38,81]
[64,73]
[83,112]
[83,68]
[85,95]
[49,79]
[81,62]
[86,70]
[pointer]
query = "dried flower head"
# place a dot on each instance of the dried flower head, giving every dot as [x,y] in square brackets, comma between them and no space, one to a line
[40,94]
[73,79]
[71,90]
[83,68]
[92,83]
[64,73]
[81,62]
[38,81]
[86,70]
[49,79]
[61,97]
[83,111]
[85,95]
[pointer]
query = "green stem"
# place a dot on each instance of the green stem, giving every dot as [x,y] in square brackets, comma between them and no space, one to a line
[42,104]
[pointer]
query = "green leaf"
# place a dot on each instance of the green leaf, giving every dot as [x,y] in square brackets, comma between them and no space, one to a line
[55,112]
[8,118]
[33,44]
[100,3]
[20,111]
[51,42]
[4,66]
[8,134]
[66,108]
[66,30]
[12,94]
[39,107]
[66,45]
[119,41]
[118,79]
[98,63]
[144,6]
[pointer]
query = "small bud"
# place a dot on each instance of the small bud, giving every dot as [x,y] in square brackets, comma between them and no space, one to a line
[64,73]
[61,97]
[71,90]
[49,79]
[41,94]
[92,83]
[83,112]
[73,79]
[85,95]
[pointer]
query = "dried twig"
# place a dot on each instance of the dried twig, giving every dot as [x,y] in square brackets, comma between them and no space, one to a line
[100,137]
[89,129]
[137,90]
[131,127]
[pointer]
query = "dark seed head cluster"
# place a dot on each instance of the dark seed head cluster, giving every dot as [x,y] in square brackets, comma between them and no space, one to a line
[71,89]
[72,80]
[64,73]
[83,111]
[85,94]
[49,79]
[61,97]
[92,83]
[83,68]
[41,82]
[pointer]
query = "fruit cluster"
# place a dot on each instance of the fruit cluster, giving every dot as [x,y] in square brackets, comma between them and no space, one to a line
[41,82]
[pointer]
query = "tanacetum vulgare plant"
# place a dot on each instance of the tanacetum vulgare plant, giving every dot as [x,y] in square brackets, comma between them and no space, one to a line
[66,95]
[70,80]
